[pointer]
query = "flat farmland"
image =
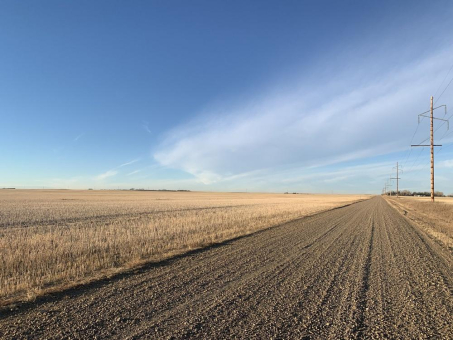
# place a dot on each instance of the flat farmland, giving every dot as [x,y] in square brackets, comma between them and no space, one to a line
[362,271]
[54,239]
[446,200]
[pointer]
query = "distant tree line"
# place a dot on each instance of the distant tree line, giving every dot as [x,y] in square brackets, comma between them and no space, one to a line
[418,193]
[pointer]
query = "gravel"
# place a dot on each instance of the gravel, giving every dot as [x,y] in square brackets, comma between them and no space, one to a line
[362,271]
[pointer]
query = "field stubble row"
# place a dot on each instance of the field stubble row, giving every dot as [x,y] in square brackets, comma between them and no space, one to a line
[51,240]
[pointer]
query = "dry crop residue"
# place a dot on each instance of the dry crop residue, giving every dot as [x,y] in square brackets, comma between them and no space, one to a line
[361,271]
[54,239]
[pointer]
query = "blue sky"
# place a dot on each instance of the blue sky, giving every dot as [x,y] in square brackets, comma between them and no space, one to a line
[307,96]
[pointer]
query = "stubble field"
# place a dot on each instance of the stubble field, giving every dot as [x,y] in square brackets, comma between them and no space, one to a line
[51,240]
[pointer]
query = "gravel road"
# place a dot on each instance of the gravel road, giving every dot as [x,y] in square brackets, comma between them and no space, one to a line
[358,272]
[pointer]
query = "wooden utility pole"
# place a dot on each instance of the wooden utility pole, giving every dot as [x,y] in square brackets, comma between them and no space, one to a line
[387,186]
[431,117]
[432,150]
[397,179]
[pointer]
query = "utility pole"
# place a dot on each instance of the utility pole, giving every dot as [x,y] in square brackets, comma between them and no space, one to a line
[432,145]
[432,150]
[386,186]
[397,178]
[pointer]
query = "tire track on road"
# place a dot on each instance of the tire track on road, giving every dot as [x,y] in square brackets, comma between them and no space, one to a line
[360,327]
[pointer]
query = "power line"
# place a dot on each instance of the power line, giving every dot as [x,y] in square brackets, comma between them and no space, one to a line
[426,162]
[444,89]
[432,118]
[449,146]
[443,82]
[412,139]
[444,121]
[431,133]
[398,168]
[416,159]
[419,121]
[446,135]
[415,164]
[408,155]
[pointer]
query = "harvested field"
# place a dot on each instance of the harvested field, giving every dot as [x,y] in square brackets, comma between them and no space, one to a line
[51,240]
[435,218]
[446,200]
[358,272]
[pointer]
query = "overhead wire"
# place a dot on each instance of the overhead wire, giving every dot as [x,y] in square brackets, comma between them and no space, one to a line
[416,159]
[444,90]
[437,129]
[412,139]
[443,81]
[446,87]
[409,153]
[426,162]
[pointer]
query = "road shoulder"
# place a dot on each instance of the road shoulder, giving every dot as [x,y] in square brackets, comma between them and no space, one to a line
[436,228]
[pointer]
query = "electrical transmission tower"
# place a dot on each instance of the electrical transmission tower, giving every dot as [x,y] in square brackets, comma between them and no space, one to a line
[397,167]
[387,186]
[432,139]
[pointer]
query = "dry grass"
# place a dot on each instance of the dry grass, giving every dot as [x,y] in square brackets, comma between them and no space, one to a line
[50,240]
[446,200]
[436,218]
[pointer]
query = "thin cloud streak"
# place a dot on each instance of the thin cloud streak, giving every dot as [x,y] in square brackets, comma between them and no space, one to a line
[129,163]
[78,137]
[145,126]
[114,171]
[106,175]
[133,172]
[355,120]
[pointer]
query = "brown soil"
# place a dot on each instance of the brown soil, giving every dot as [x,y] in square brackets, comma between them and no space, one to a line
[361,271]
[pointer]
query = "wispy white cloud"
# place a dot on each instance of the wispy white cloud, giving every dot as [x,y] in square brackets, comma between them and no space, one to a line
[145,126]
[63,147]
[447,163]
[78,137]
[106,174]
[133,172]
[114,171]
[314,125]
[129,163]
[336,179]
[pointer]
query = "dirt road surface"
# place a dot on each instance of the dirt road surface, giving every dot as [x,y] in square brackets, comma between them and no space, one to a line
[357,272]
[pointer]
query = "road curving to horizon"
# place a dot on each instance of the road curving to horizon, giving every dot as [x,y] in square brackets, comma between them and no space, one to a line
[358,272]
